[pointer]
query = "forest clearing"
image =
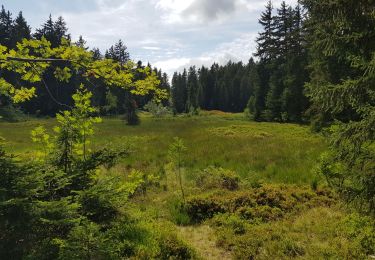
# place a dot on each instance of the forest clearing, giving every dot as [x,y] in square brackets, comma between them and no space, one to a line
[187,129]
[280,202]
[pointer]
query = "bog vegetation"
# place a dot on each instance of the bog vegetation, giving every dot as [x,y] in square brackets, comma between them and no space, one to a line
[132,167]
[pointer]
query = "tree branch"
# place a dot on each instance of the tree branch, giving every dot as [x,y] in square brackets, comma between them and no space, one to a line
[36,60]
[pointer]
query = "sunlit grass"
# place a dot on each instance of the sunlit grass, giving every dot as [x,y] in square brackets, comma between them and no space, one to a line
[272,152]
[257,152]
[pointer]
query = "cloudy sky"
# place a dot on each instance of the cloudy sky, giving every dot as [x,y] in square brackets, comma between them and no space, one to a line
[170,34]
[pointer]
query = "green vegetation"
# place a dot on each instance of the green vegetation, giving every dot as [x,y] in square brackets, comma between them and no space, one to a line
[201,184]
[284,153]
[236,211]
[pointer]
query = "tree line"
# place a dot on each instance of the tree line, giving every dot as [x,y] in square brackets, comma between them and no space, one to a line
[271,88]
[53,96]
[225,88]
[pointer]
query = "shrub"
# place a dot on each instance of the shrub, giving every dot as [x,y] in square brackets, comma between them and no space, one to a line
[200,208]
[267,203]
[10,113]
[157,109]
[248,247]
[122,239]
[263,213]
[214,177]
[231,221]
[361,229]
[173,248]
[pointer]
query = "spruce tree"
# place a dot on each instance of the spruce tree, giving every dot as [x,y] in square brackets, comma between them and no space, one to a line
[342,49]
[118,52]
[5,27]
[53,31]
[60,30]
[21,30]
[266,41]
[82,43]
[192,91]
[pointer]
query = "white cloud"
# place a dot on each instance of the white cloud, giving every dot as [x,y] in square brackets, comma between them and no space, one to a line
[171,9]
[170,65]
[239,49]
[151,48]
[171,34]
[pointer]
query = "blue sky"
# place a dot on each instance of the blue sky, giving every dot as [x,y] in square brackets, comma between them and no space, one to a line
[170,34]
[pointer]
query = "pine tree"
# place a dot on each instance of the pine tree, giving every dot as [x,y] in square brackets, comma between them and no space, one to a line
[266,41]
[192,91]
[164,84]
[179,91]
[60,30]
[48,31]
[53,31]
[118,52]
[267,52]
[126,101]
[21,30]
[342,47]
[82,43]
[96,54]
[5,27]
[174,93]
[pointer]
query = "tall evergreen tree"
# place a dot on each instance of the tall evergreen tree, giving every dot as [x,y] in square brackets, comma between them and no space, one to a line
[53,31]
[278,95]
[342,49]
[192,90]
[118,52]
[179,91]
[21,30]
[266,41]
[5,27]
[82,43]
[97,54]
[60,30]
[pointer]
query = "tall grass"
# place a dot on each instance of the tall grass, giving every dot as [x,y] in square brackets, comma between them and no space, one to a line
[273,152]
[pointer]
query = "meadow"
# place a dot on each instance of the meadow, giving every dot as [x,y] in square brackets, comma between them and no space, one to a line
[273,152]
[252,189]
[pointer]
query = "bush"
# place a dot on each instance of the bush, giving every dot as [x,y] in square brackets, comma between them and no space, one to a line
[248,247]
[10,113]
[157,109]
[361,229]
[331,235]
[214,177]
[263,213]
[173,248]
[120,240]
[200,208]
[267,203]
[231,221]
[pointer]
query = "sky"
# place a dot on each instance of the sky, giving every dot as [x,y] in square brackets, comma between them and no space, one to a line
[170,34]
